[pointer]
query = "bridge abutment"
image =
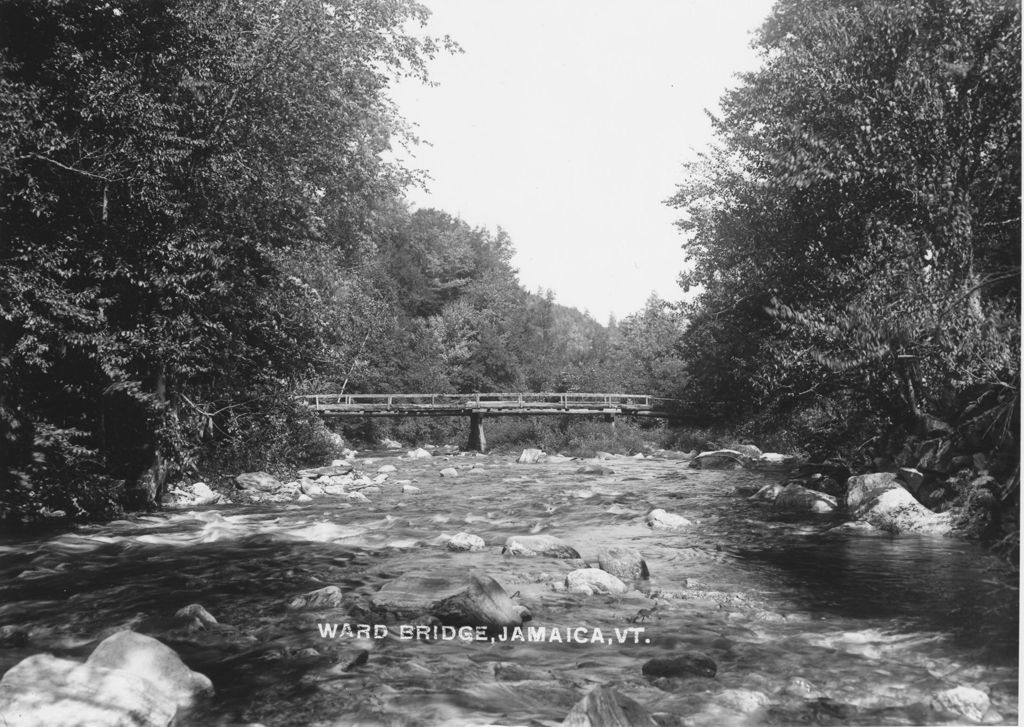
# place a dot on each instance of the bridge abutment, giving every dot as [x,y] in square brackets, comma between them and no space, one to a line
[477,440]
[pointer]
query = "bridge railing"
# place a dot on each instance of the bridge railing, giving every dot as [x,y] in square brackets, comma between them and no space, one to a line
[490,400]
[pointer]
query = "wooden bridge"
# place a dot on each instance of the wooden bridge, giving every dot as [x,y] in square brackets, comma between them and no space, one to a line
[476,406]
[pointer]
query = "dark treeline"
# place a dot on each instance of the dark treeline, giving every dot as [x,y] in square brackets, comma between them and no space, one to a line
[199,222]
[854,241]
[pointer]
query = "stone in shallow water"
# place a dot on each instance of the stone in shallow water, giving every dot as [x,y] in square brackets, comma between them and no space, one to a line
[326,597]
[964,702]
[684,665]
[530,456]
[449,472]
[624,563]
[605,707]
[719,459]
[458,599]
[661,520]
[544,545]
[796,498]
[195,614]
[465,541]
[594,580]
[881,500]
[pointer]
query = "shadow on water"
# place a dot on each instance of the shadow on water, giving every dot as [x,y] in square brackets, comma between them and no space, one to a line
[924,582]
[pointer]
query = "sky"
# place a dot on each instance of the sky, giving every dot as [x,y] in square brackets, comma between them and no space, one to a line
[567,123]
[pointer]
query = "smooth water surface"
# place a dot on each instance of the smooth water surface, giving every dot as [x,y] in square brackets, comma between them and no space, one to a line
[805,626]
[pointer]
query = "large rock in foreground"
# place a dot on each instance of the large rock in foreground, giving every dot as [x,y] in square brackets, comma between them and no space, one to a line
[458,599]
[146,657]
[130,680]
[880,500]
[44,691]
[605,707]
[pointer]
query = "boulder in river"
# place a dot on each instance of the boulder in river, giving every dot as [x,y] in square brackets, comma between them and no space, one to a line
[457,599]
[624,563]
[530,456]
[45,691]
[595,469]
[796,498]
[259,481]
[539,545]
[684,665]
[594,580]
[465,542]
[605,707]
[146,657]
[194,495]
[449,472]
[962,702]
[195,615]
[886,504]
[864,487]
[320,599]
[661,520]
[720,459]
[418,453]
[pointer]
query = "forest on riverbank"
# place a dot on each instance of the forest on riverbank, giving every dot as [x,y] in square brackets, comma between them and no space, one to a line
[200,220]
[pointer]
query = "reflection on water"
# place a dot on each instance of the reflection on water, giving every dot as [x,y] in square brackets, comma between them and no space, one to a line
[873,625]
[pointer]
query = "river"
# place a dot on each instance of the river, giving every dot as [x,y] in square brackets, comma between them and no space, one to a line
[805,626]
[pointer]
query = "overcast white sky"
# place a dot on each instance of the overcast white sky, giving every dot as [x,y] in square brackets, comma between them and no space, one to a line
[567,122]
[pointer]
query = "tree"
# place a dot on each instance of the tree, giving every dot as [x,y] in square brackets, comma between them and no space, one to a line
[856,230]
[166,169]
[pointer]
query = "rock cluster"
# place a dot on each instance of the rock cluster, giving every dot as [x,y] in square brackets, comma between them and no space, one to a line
[129,679]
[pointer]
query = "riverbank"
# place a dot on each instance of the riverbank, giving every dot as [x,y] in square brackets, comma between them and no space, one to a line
[801,623]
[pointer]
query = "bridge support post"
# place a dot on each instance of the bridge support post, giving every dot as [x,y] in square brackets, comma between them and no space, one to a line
[477,440]
[610,418]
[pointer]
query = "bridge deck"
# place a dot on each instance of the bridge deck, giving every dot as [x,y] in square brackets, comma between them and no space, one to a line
[493,404]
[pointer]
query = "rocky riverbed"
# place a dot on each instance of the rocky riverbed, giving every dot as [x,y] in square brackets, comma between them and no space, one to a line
[427,588]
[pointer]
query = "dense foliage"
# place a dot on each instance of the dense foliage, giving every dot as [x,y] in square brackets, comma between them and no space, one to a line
[854,235]
[167,169]
[198,222]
